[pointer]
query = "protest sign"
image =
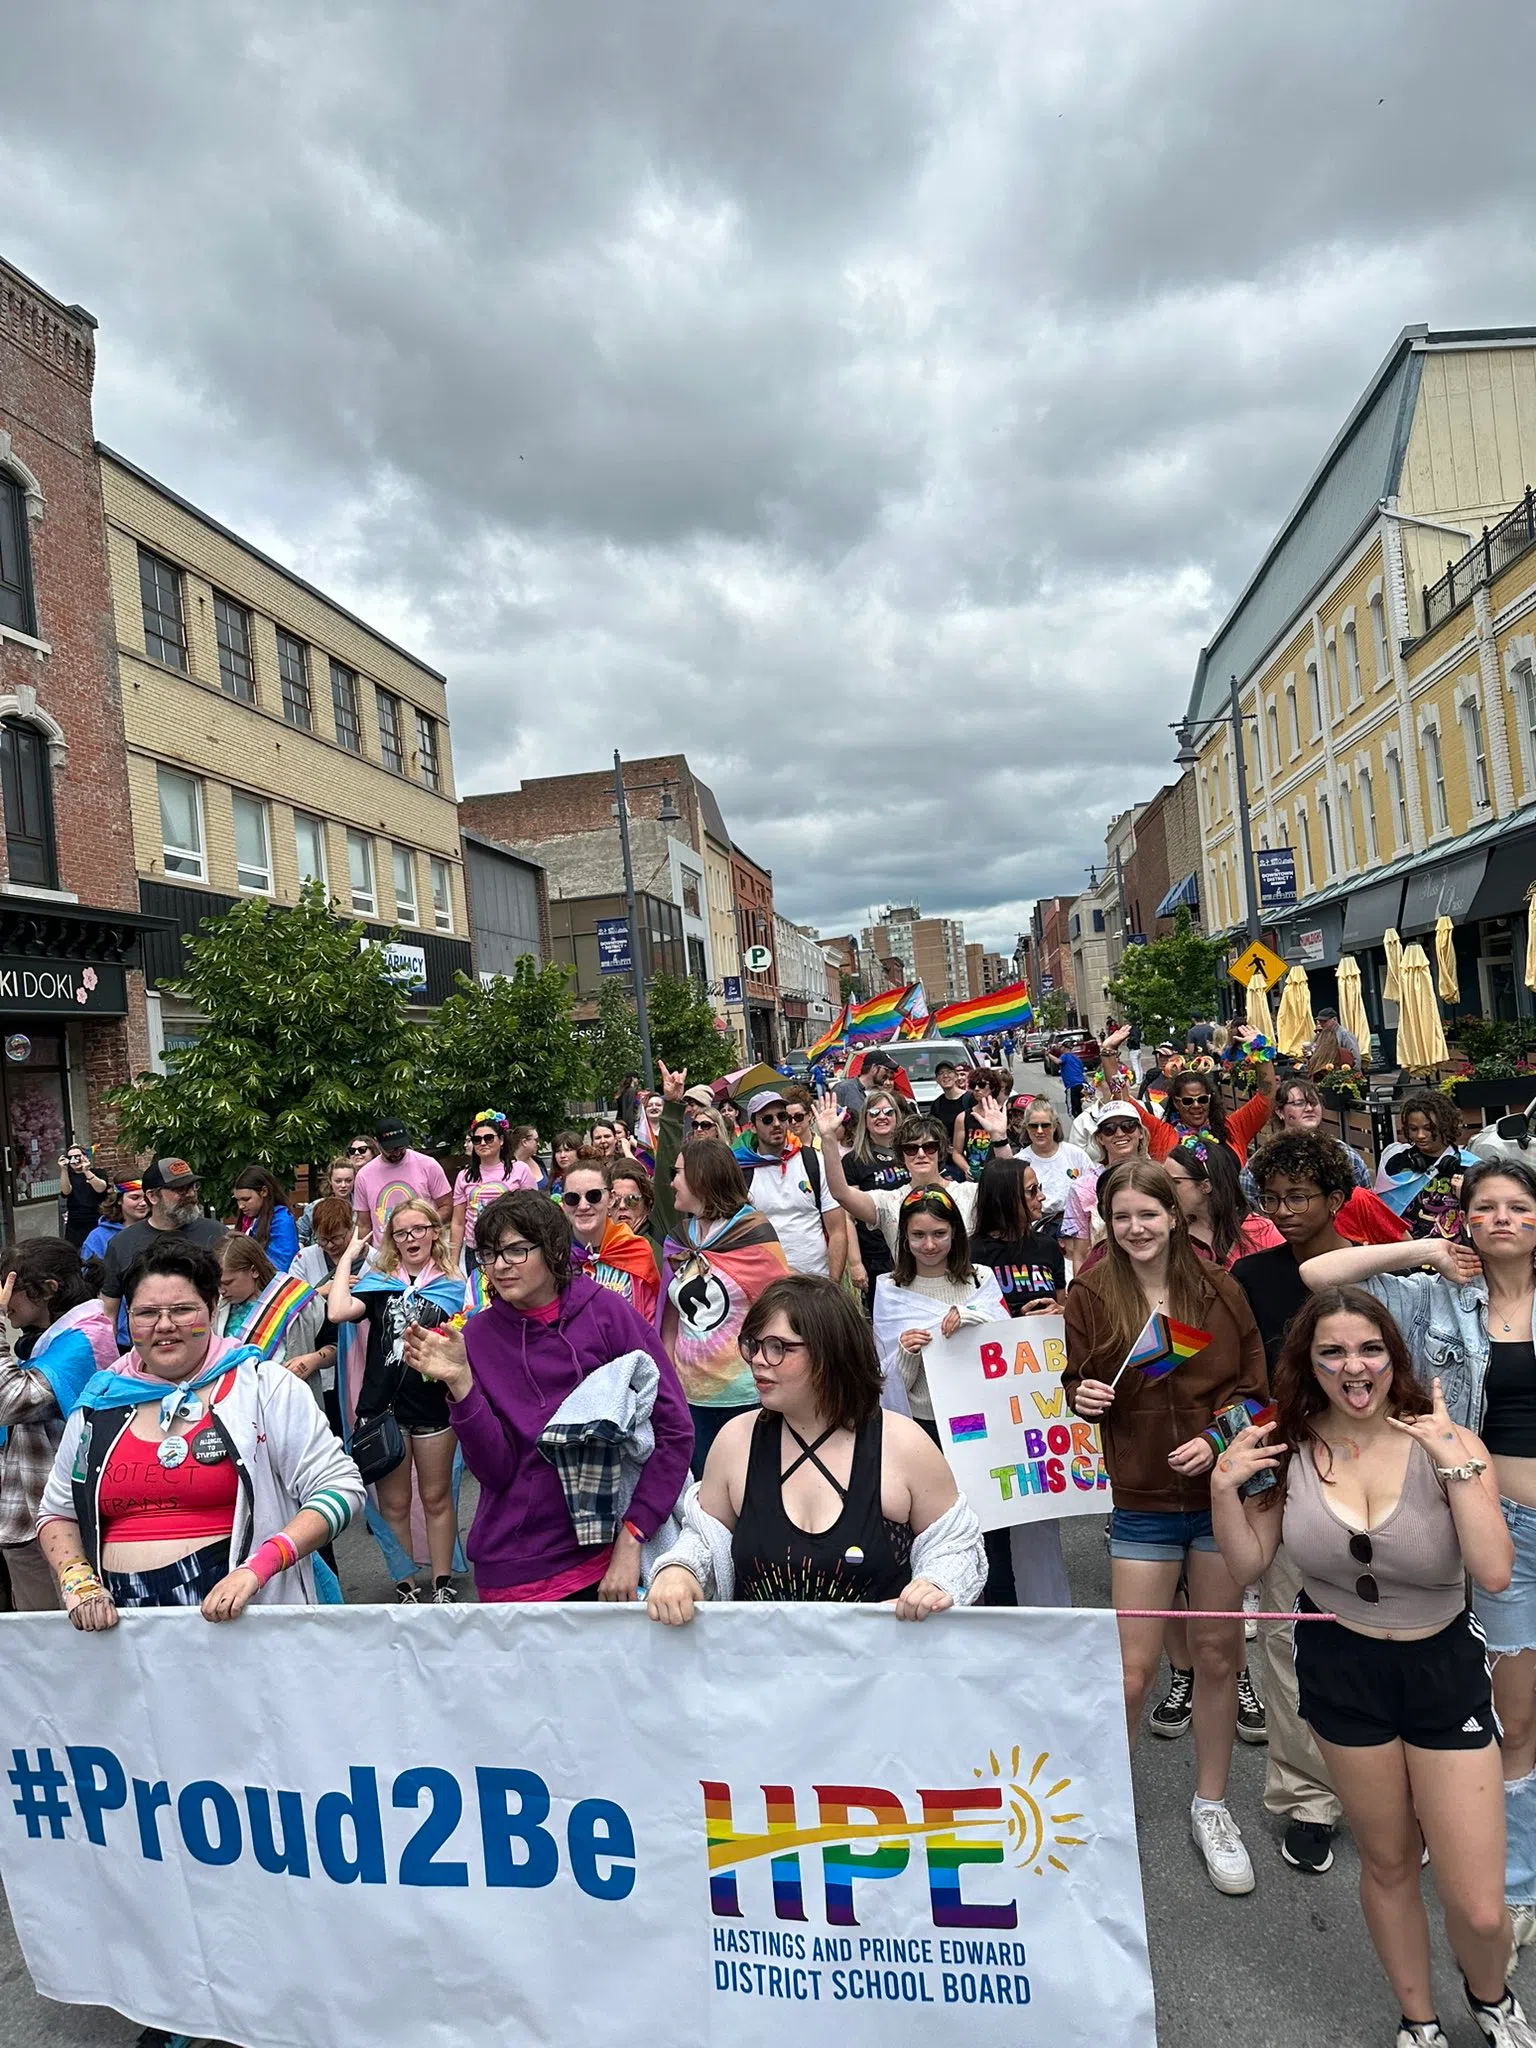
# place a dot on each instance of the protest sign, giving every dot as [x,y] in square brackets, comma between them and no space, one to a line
[1017,1451]
[356,1828]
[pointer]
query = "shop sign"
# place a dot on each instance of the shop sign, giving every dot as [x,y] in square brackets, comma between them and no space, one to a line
[613,945]
[732,986]
[1277,877]
[1310,945]
[63,987]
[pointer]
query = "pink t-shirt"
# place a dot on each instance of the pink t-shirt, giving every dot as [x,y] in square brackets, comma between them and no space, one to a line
[381,1186]
[495,1180]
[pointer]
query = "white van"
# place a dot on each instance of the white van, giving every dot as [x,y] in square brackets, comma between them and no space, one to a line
[920,1057]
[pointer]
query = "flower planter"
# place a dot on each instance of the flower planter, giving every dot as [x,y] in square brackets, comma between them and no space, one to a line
[1341,1100]
[1512,1094]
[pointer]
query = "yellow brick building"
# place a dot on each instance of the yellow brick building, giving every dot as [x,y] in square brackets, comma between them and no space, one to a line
[273,738]
[1383,656]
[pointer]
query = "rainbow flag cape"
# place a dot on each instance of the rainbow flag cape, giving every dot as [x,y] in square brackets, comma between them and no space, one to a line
[879,1018]
[1006,1009]
[278,1306]
[1164,1344]
[833,1035]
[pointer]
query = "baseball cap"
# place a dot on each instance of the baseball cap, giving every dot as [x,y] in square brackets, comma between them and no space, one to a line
[389,1127]
[1112,1112]
[168,1173]
[704,1097]
[765,1098]
[877,1056]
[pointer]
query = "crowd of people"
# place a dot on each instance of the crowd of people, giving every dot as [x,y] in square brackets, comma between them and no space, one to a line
[682,1354]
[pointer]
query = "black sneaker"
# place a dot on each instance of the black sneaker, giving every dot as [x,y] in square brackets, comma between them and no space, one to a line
[1173,1712]
[1251,1725]
[407,1593]
[1308,1846]
[445,1594]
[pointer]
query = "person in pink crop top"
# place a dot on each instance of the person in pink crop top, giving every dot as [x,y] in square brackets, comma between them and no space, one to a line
[1385,1505]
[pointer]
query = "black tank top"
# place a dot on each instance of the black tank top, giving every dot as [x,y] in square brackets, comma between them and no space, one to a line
[862,1558]
[1509,1419]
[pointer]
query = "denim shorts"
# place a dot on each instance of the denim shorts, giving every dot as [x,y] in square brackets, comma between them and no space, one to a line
[1508,1619]
[1148,1538]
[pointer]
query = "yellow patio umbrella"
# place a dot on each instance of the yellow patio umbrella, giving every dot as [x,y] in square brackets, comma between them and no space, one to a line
[1445,962]
[1530,937]
[1259,1018]
[1294,1028]
[1420,1034]
[1390,991]
[1351,1005]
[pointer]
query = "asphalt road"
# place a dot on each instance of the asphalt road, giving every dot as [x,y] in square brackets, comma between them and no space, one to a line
[1290,1966]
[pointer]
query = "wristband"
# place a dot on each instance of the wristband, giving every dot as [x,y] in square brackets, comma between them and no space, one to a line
[79,1580]
[276,1555]
[634,1532]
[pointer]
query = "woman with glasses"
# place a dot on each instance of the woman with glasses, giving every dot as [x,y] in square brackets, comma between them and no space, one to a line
[1114,1135]
[546,1329]
[606,1249]
[191,1474]
[1387,1507]
[361,1149]
[874,1162]
[823,1494]
[629,1194]
[1058,1166]
[411,1281]
[923,1148]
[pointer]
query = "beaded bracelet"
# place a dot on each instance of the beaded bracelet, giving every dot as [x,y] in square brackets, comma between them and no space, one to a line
[79,1580]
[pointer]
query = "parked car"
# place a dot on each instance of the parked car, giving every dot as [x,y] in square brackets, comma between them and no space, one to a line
[919,1057]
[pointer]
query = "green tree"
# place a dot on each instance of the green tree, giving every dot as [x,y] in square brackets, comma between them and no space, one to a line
[1160,987]
[512,1046]
[684,1030]
[1053,1011]
[307,1041]
[613,1043]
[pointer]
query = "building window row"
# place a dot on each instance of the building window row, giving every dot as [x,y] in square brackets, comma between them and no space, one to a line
[184,844]
[165,640]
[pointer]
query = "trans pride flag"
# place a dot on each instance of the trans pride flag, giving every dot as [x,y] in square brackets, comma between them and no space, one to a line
[1163,1345]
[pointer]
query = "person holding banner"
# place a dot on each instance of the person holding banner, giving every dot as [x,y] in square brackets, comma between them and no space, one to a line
[191,1474]
[823,1494]
[1154,1422]
[1387,1507]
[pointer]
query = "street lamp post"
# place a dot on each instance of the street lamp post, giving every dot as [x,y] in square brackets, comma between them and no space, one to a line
[1187,756]
[667,815]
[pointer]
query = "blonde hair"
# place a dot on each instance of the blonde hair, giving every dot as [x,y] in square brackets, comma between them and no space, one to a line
[387,1258]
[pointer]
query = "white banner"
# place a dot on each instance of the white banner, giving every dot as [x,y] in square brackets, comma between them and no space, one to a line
[351,1828]
[1017,1451]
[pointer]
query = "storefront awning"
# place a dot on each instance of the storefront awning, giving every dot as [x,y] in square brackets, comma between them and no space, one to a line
[1511,871]
[1185,891]
[1370,912]
[1444,890]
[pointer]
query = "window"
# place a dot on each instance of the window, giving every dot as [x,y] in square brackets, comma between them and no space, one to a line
[1434,768]
[692,904]
[1325,819]
[1315,690]
[1077,923]
[1525,689]
[1098,920]
[1352,665]
[253,848]
[165,631]
[405,886]
[1397,791]
[27,779]
[1365,782]
[1273,718]
[1295,722]
[181,824]
[309,846]
[293,675]
[442,895]
[698,966]
[1335,702]
[360,873]
[391,741]
[1347,826]
[232,631]
[1383,645]
[1477,753]
[427,756]
[16,608]
[349,725]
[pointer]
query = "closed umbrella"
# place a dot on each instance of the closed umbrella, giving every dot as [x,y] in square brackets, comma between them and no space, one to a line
[1390,991]
[1259,1018]
[1445,962]
[1351,1005]
[1420,1034]
[1294,1028]
[1530,939]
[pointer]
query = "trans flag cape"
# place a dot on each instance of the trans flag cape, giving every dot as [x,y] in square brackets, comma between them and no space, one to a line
[80,1345]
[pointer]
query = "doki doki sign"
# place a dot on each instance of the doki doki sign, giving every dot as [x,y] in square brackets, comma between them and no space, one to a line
[760,1847]
[64,987]
[1017,1451]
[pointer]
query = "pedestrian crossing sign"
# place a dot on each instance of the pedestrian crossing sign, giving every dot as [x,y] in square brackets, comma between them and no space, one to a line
[1268,962]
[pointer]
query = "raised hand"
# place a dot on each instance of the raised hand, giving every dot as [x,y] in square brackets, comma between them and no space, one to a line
[1247,1454]
[1435,1431]
[672,1082]
[828,1115]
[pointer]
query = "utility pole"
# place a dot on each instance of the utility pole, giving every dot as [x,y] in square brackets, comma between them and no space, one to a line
[636,960]
[1244,822]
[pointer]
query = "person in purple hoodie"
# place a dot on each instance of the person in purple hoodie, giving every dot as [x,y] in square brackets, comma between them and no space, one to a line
[545,1328]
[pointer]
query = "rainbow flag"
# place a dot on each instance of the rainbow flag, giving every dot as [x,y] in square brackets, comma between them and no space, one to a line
[833,1035]
[278,1306]
[1164,1344]
[879,1017]
[1006,1009]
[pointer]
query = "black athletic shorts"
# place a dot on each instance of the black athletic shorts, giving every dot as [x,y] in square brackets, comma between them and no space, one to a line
[1360,1692]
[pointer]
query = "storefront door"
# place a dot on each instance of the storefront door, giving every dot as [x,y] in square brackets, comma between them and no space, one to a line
[34,1126]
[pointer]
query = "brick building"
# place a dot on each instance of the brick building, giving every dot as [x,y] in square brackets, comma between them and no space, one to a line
[71,993]
[753,890]
[1050,923]
[1165,863]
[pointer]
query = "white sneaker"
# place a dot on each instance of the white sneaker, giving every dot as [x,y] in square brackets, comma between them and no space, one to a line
[1504,2026]
[1522,1924]
[1220,1842]
[1421,2034]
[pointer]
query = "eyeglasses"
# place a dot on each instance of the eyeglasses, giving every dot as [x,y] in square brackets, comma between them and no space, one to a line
[513,1253]
[410,1230]
[770,1350]
[879,1109]
[581,1199]
[180,1312]
[702,1128]
[797,1116]
[486,1138]
[1039,1127]
[1288,1205]
[1361,1551]
[1195,1097]
[919,1145]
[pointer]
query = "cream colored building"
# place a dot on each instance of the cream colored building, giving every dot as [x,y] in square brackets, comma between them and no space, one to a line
[272,739]
[1385,658]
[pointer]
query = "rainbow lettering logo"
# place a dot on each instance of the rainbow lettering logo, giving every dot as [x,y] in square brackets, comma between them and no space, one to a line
[865,1834]
[967,1429]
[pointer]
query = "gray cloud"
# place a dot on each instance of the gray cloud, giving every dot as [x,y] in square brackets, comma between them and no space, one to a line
[881,402]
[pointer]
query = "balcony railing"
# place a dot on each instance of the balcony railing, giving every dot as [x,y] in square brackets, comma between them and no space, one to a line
[1499,546]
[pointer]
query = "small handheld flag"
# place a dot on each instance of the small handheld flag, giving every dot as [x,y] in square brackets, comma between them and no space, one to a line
[1162,1345]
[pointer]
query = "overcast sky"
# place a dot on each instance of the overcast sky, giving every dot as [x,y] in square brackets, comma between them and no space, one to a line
[880,400]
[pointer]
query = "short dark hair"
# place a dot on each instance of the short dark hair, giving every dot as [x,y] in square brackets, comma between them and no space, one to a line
[715,1179]
[1302,1156]
[839,1343]
[39,1261]
[538,1219]
[565,1141]
[630,1169]
[1517,1170]
[178,1259]
[921,1127]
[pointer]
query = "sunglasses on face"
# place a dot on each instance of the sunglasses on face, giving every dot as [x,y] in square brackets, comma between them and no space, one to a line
[702,1129]
[919,1146]
[1197,1098]
[797,1116]
[486,1138]
[773,1116]
[626,1201]
[358,1151]
[581,1199]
